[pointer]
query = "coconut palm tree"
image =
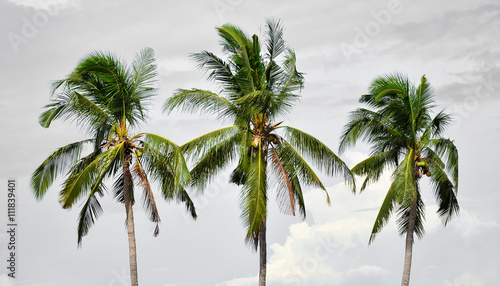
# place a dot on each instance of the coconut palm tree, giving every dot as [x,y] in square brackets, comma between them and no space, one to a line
[106,99]
[406,137]
[255,92]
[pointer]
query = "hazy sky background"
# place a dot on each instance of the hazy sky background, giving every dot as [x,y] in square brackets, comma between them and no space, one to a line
[341,46]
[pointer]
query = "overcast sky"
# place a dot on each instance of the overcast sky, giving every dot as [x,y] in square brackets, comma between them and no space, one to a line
[341,46]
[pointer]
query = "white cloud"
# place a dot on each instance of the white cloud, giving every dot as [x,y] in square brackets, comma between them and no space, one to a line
[470,225]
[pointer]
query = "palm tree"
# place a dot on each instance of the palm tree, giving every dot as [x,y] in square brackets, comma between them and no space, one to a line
[404,136]
[254,92]
[106,98]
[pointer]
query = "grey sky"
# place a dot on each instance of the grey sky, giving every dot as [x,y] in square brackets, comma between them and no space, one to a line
[341,46]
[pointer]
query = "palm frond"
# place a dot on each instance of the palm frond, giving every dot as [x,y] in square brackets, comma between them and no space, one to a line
[298,169]
[148,197]
[284,188]
[404,218]
[321,156]
[444,191]
[57,163]
[203,101]
[401,192]
[254,196]
[155,144]
[373,166]
[200,145]
[215,159]
[446,149]
[90,212]
[275,43]
[88,174]
[145,72]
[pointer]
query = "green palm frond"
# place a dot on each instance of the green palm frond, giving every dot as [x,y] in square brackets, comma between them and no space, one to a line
[374,166]
[444,190]
[215,159]
[145,73]
[203,101]
[200,145]
[77,108]
[321,156]
[218,71]
[292,79]
[254,196]
[275,43]
[402,192]
[297,167]
[404,218]
[57,163]
[156,144]
[89,213]
[118,189]
[446,149]
[387,88]
[88,175]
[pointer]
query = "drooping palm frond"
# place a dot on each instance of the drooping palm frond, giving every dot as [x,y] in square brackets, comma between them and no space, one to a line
[89,213]
[88,174]
[402,192]
[444,190]
[404,218]
[284,189]
[118,189]
[446,149]
[215,159]
[298,169]
[254,196]
[56,164]
[321,156]
[148,198]
[374,166]
[155,144]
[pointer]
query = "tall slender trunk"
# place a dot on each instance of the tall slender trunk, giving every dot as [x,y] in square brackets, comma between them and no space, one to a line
[263,254]
[409,241]
[127,181]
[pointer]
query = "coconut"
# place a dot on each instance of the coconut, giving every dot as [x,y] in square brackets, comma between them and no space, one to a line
[422,164]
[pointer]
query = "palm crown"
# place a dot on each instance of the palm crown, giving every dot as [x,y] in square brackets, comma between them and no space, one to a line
[106,99]
[255,91]
[405,136]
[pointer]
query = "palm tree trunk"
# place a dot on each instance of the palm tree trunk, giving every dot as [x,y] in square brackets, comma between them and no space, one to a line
[127,181]
[409,242]
[263,254]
